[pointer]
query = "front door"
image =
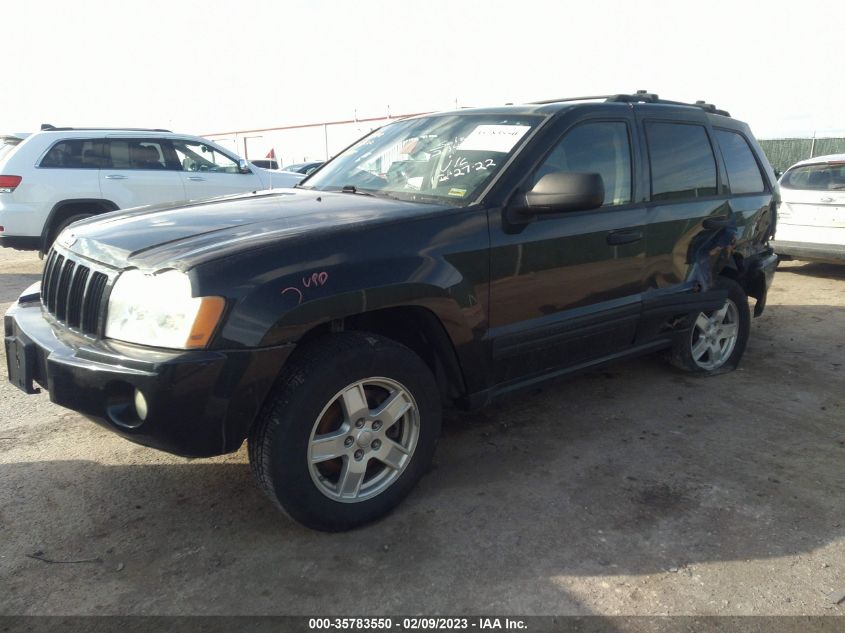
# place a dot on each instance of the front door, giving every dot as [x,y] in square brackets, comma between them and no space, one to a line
[565,288]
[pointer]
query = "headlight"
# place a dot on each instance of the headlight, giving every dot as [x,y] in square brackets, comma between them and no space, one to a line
[158,310]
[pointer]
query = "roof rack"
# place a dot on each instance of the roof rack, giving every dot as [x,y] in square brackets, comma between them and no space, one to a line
[593,98]
[46,127]
[641,96]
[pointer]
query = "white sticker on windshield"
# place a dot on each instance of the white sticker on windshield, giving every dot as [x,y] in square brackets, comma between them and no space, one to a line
[494,138]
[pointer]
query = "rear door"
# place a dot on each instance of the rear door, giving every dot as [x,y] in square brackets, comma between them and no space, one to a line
[688,191]
[140,171]
[813,204]
[74,173]
[207,172]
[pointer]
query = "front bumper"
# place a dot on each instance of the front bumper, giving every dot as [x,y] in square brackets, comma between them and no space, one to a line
[199,403]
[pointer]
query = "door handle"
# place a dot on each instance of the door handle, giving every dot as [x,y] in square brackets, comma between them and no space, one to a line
[719,222]
[625,236]
[827,199]
[196,178]
[116,177]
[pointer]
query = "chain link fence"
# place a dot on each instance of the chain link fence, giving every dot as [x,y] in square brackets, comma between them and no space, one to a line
[785,152]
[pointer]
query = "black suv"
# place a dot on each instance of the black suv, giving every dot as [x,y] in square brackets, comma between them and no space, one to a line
[442,260]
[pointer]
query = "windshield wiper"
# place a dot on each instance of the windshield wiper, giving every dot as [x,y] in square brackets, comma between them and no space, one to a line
[354,189]
[377,193]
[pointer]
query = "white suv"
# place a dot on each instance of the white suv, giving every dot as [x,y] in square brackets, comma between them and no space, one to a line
[811,217]
[60,175]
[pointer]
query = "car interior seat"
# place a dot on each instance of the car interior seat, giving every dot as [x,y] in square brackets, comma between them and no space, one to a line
[819,179]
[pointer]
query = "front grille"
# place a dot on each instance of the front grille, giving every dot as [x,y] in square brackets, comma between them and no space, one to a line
[73,292]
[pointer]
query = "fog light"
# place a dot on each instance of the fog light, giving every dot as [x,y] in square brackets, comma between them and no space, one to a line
[140,404]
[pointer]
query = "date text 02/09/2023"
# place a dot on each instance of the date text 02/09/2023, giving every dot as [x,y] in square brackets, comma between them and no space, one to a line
[416,623]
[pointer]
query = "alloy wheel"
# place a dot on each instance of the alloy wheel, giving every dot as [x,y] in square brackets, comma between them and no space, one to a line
[714,336]
[363,440]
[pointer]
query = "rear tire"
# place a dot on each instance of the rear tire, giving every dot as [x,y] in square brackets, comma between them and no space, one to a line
[717,339]
[348,432]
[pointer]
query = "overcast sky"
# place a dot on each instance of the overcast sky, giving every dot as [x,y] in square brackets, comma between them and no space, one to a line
[204,67]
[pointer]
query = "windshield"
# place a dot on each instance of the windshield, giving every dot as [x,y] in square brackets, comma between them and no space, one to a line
[443,158]
[822,177]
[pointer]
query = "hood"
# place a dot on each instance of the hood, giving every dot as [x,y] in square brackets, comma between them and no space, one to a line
[185,235]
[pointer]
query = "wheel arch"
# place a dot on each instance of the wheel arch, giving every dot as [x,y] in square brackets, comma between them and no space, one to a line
[416,327]
[67,208]
[750,278]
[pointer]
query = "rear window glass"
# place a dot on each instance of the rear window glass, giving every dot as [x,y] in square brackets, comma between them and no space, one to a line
[743,171]
[823,177]
[682,162]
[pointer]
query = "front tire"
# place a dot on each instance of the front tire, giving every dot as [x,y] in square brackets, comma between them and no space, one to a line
[350,429]
[717,340]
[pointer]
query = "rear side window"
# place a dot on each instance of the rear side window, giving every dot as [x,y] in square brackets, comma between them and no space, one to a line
[682,162]
[823,177]
[601,148]
[743,171]
[77,153]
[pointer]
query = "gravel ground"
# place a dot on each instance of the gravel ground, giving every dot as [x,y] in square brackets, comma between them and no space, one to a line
[631,490]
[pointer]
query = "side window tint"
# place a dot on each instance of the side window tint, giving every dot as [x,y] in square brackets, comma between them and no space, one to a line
[682,161]
[77,153]
[596,148]
[137,154]
[743,171]
[201,157]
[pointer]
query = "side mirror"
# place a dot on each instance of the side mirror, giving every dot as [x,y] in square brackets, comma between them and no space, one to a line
[243,166]
[565,191]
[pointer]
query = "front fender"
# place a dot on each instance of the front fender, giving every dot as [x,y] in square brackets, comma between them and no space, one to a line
[289,303]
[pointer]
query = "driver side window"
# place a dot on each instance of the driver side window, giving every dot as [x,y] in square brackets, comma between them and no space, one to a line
[603,148]
[195,156]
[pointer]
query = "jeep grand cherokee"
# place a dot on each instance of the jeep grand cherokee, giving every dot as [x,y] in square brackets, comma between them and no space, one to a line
[442,260]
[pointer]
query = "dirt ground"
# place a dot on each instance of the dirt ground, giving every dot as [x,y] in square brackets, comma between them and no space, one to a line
[630,490]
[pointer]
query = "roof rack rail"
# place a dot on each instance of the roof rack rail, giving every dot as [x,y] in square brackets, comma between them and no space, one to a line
[641,96]
[592,98]
[46,127]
